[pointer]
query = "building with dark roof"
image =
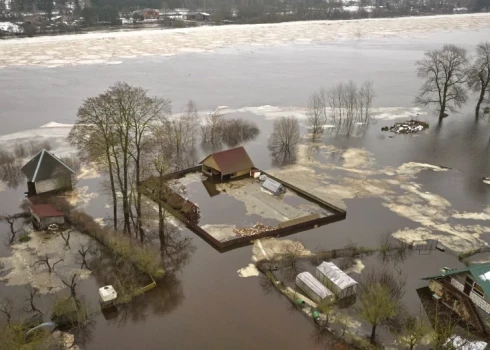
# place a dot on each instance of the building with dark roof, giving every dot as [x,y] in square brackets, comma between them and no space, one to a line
[44,215]
[47,173]
[227,164]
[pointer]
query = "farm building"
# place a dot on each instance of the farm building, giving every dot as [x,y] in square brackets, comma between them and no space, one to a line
[340,283]
[44,215]
[196,16]
[466,291]
[227,164]
[47,173]
[313,288]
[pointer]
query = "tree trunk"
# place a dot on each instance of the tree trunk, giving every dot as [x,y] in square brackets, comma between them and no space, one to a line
[113,189]
[480,100]
[373,334]
[161,227]
[442,111]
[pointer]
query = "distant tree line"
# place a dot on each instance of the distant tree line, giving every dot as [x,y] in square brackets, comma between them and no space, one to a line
[239,11]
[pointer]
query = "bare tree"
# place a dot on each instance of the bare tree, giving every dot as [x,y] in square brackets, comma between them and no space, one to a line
[444,71]
[285,137]
[45,261]
[112,129]
[33,293]
[380,297]
[83,251]
[365,100]
[479,74]
[6,308]
[211,130]
[11,221]
[66,238]
[72,284]
[316,114]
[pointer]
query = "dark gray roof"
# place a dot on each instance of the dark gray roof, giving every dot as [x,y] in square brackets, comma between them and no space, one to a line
[45,166]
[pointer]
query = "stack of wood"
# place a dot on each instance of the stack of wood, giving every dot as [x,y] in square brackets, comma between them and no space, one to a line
[254,230]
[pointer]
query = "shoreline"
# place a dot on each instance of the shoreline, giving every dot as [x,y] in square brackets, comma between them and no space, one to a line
[104,47]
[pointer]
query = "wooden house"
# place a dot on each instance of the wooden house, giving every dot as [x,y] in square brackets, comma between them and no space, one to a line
[47,173]
[466,291]
[227,164]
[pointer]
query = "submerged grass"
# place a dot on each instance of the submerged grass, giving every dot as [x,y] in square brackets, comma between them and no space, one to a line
[145,258]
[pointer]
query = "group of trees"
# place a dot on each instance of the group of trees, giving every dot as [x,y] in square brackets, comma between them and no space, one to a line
[344,105]
[218,130]
[449,74]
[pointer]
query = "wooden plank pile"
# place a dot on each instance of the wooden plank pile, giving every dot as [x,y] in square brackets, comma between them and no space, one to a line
[254,230]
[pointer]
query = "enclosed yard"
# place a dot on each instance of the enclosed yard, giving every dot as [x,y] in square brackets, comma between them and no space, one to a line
[242,209]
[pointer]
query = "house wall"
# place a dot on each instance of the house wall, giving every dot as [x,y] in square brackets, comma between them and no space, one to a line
[209,162]
[59,183]
[475,298]
[241,173]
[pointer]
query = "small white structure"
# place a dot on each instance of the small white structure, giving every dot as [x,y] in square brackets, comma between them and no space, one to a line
[108,296]
[340,283]
[313,288]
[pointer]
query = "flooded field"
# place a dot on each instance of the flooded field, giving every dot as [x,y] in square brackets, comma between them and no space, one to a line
[427,185]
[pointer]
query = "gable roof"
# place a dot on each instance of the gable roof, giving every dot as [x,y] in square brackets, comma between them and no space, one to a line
[46,210]
[231,160]
[45,166]
[480,272]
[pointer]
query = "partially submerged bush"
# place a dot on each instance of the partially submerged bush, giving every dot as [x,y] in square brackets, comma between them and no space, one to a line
[24,238]
[146,259]
[66,313]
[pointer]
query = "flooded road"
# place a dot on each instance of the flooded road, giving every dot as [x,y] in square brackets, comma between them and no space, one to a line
[206,305]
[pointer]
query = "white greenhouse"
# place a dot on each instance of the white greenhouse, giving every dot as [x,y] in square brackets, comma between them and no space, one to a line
[313,288]
[340,283]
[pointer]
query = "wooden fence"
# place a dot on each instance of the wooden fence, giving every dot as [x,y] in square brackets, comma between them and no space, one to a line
[336,214]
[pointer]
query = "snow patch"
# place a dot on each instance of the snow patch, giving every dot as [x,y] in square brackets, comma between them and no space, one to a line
[56,125]
[249,271]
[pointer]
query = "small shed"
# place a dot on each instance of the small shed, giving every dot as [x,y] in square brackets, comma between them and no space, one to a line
[313,288]
[227,164]
[44,215]
[273,186]
[47,173]
[340,283]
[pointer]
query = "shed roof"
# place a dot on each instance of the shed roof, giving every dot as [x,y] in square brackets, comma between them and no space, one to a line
[336,275]
[231,160]
[315,285]
[480,272]
[46,210]
[45,166]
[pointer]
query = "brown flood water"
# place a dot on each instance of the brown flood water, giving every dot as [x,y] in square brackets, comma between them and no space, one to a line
[205,305]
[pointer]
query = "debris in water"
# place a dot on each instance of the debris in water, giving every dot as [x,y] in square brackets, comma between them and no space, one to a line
[408,127]
[254,230]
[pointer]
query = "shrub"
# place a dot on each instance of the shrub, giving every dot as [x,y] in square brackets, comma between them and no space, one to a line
[24,238]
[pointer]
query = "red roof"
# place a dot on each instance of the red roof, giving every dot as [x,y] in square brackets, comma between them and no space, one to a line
[45,210]
[232,160]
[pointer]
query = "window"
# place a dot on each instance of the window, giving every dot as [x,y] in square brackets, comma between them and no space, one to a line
[478,290]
